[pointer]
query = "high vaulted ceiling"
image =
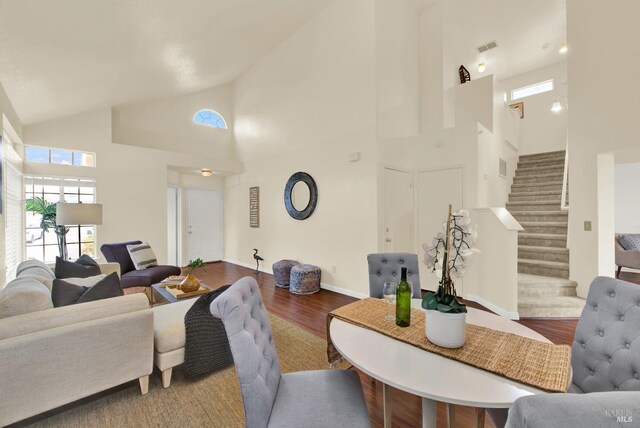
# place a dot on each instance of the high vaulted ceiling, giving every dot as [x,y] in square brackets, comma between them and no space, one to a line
[520,28]
[66,56]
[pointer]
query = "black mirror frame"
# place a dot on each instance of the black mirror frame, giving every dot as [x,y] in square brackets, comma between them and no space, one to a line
[313,195]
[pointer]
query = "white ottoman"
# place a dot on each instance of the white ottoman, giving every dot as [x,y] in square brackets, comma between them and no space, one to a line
[169,337]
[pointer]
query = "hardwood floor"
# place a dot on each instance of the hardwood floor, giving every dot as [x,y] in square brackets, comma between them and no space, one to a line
[309,313]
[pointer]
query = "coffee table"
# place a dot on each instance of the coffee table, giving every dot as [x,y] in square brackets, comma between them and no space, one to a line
[432,377]
[162,290]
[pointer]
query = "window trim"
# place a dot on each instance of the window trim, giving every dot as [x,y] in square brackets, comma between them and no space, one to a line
[544,83]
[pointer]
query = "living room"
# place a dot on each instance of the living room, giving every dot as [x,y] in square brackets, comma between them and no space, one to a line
[344,91]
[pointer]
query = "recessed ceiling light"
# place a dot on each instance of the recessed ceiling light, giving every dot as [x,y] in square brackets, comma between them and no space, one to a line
[563,49]
[206,172]
[482,67]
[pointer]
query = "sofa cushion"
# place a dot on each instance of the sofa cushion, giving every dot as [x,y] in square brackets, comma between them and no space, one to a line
[39,274]
[84,267]
[142,256]
[630,242]
[65,293]
[168,325]
[28,264]
[24,295]
[146,277]
[118,253]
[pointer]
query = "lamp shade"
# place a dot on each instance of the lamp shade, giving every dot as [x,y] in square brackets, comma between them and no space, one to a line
[71,214]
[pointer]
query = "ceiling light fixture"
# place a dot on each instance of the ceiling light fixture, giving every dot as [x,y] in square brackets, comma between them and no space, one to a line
[482,67]
[563,49]
[556,107]
[206,172]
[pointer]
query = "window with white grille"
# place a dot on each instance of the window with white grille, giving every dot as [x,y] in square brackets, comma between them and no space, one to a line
[13,218]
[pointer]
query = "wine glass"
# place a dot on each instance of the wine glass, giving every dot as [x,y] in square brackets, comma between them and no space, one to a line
[389,294]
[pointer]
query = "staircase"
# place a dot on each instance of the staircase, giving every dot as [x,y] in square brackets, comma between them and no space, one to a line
[544,288]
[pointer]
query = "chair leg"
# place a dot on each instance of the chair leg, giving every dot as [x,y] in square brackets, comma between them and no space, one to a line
[618,273]
[451,415]
[144,384]
[479,417]
[148,291]
[166,377]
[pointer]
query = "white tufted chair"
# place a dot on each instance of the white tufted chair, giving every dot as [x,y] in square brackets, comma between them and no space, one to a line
[385,267]
[605,356]
[321,398]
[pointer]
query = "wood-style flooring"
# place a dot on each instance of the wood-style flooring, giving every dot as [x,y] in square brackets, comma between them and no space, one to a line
[309,313]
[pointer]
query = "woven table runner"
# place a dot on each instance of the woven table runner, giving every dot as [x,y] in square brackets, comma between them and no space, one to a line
[541,365]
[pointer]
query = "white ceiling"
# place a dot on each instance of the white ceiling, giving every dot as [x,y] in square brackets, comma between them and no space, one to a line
[66,56]
[519,27]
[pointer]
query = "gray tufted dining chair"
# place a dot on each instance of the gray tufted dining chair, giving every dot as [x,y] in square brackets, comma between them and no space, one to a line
[605,355]
[385,267]
[320,398]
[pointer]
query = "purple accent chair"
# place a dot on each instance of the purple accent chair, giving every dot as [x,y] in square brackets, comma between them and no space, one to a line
[129,276]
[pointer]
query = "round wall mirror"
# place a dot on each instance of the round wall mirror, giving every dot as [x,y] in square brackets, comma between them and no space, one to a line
[300,195]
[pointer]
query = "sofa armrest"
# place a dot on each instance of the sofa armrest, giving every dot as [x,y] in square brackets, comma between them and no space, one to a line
[109,268]
[628,258]
[69,315]
[49,368]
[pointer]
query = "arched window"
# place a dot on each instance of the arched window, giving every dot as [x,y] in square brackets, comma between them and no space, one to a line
[208,117]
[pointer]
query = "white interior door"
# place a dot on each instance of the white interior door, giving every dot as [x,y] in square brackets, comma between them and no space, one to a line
[172,226]
[204,225]
[398,211]
[436,190]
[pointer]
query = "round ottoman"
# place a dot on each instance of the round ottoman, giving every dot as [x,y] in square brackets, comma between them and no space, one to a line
[305,279]
[282,272]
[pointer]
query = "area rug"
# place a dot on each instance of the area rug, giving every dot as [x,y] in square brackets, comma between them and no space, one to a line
[213,400]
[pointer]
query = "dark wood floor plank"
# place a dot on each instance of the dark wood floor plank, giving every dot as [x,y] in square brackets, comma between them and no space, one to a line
[309,313]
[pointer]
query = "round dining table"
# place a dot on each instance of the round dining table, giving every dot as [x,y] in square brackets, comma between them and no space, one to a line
[432,377]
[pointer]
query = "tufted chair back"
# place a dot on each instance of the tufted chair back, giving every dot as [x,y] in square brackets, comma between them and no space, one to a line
[385,267]
[606,349]
[246,322]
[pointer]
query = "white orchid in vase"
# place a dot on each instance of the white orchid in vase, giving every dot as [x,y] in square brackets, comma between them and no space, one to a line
[448,257]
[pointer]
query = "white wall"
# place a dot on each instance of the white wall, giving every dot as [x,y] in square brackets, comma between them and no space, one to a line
[603,118]
[131,181]
[305,107]
[167,124]
[541,130]
[627,198]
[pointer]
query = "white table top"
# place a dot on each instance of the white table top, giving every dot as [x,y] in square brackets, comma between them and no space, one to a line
[428,375]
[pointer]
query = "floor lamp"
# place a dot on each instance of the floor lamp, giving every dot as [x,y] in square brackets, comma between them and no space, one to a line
[72,214]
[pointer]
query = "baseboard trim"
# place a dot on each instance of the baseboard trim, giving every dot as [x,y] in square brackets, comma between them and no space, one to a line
[344,291]
[492,307]
[323,285]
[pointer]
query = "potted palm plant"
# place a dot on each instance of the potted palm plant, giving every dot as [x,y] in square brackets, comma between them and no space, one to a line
[448,257]
[191,283]
[47,210]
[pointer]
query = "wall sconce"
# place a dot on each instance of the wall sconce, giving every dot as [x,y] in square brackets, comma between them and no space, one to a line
[556,107]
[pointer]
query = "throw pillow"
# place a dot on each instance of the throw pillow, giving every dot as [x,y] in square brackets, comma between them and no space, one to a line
[142,256]
[65,293]
[86,282]
[84,267]
[630,242]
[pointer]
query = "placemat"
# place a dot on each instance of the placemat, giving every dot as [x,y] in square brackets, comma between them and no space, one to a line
[538,364]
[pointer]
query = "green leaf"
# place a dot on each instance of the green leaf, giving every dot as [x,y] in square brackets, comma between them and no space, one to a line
[429,301]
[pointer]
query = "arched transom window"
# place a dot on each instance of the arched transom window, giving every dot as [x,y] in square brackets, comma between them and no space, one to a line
[208,117]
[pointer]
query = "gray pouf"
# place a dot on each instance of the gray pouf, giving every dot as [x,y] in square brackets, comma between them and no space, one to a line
[305,279]
[282,272]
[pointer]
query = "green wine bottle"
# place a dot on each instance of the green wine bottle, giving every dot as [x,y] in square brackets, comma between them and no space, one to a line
[403,300]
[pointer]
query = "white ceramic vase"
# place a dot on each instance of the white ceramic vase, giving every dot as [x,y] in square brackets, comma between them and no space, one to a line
[446,330]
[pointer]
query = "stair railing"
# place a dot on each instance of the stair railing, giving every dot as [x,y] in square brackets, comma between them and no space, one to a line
[564,204]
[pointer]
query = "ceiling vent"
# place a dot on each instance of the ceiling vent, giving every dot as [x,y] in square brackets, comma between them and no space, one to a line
[488,46]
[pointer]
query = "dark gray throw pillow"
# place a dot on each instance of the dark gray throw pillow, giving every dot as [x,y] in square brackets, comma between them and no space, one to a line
[84,267]
[64,293]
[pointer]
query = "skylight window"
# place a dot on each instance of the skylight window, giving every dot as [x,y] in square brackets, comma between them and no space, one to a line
[536,88]
[210,118]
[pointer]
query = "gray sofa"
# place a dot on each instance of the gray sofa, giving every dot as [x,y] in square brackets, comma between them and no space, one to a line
[53,356]
[625,258]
